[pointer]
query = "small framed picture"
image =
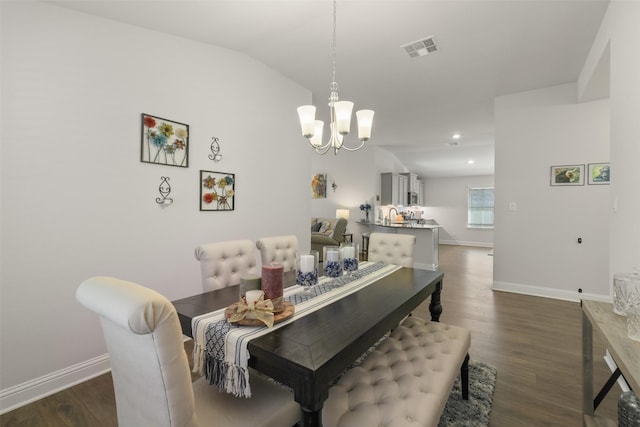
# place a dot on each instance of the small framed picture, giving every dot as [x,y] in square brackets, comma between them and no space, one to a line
[319,186]
[567,175]
[599,173]
[164,142]
[217,191]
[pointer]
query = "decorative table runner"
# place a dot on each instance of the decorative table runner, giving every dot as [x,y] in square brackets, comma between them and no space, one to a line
[220,348]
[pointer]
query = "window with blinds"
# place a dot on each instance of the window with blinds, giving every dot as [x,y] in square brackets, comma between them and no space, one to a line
[480,207]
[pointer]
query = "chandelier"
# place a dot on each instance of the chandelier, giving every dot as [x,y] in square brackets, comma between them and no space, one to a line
[340,116]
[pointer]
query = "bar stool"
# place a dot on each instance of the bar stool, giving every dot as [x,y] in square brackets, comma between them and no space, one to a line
[365,246]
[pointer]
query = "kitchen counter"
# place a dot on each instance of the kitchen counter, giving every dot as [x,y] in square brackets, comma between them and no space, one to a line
[427,235]
[404,224]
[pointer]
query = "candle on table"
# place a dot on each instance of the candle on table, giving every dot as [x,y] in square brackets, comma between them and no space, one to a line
[307,263]
[348,252]
[252,297]
[333,255]
[272,284]
[249,282]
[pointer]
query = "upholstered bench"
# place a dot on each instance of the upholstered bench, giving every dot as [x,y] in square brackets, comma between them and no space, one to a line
[405,381]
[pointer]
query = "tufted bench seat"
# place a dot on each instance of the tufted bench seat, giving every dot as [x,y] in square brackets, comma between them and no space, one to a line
[404,381]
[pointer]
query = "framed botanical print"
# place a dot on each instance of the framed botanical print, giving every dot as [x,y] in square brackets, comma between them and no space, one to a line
[599,174]
[567,175]
[217,191]
[164,142]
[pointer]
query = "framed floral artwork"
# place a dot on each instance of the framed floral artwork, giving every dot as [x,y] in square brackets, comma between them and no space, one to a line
[319,186]
[567,175]
[599,174]
[217,191]
[164,142]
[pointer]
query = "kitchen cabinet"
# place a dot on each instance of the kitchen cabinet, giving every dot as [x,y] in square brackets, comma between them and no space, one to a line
[413,181]
[394,189]
[420,192]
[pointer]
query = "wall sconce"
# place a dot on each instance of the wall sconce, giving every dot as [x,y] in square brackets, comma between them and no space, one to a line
[334,186]
[164,189]
[215,150]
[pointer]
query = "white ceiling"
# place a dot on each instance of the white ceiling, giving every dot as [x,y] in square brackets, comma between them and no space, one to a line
[486,49]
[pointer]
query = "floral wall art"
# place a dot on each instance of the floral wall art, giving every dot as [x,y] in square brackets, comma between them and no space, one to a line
[164,142]
[217,191]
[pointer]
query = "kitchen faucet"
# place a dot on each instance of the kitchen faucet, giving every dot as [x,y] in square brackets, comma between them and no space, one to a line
[389,214]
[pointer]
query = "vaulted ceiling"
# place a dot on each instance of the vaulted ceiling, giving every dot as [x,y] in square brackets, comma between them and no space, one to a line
[485,49]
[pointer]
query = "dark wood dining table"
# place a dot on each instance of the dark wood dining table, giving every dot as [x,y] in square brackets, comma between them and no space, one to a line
[311,352]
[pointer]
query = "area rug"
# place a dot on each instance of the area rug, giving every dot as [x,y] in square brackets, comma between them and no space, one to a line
[475,411]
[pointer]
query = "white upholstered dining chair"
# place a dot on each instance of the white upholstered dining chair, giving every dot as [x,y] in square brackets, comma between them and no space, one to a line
[392,248]
[150,369]
[280,249]
[223,263]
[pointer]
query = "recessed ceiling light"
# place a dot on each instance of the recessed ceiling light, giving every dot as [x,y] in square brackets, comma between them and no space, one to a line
[456,136]
[471,162]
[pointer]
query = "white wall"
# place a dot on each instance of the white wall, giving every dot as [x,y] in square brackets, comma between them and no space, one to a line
[446,201]
[536,249]
[77,202]
[620,27]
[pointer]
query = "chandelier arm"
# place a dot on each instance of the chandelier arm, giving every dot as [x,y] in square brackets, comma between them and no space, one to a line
[354,148]
[320,149]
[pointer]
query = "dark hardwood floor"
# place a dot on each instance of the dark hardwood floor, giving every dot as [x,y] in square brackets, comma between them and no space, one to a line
[535,343]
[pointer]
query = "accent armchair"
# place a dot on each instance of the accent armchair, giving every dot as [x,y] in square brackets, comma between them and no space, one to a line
[327,232]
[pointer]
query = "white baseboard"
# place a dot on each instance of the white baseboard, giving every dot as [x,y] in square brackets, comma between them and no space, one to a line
[46,385]
[538,291]
[463,243]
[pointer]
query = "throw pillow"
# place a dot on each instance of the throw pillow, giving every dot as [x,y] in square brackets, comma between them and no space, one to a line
[326,227]
[316,227]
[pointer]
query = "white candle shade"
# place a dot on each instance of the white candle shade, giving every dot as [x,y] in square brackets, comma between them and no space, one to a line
[365,120]
[307,263]
[306,114]
[343,116]
[252,297]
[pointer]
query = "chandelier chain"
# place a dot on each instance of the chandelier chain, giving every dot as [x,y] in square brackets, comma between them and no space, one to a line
[334,84]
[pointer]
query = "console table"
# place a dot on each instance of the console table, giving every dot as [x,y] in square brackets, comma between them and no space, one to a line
[624,351]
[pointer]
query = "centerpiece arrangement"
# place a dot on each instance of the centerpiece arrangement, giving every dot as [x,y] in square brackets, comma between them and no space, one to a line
[366,207]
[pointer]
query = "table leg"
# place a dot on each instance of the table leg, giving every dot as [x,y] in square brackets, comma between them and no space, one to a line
[587,366]
[435,307]
[311,418]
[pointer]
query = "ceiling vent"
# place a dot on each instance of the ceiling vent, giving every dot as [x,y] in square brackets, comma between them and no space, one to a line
[420,47]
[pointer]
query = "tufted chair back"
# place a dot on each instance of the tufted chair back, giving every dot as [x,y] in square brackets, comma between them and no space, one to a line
[148,363]
[222,263]
[280,249]
[392,248]
[150,369]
